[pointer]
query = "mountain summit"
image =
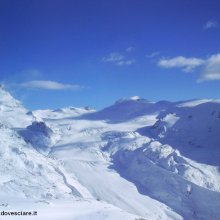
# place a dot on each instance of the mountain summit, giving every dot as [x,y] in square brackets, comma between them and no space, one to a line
[6,100]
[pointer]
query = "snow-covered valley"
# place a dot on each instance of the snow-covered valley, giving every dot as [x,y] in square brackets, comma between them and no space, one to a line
[133,160]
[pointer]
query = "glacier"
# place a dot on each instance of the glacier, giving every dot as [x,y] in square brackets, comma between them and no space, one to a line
[134,160]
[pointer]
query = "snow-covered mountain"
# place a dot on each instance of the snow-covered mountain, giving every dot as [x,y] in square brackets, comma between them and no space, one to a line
[133,160]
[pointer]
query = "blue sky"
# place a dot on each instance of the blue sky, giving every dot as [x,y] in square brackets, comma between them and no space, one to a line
[56,53]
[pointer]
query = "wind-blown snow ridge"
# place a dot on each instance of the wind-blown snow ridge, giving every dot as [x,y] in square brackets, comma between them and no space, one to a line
[133,160]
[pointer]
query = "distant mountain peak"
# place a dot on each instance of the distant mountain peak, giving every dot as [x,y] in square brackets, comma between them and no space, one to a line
[6,100]
[131,99]
[135,98]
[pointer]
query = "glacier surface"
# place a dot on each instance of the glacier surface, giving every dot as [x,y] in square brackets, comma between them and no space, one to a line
[133,160]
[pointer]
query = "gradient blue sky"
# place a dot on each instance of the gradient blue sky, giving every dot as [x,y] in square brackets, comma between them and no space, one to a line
[56,53]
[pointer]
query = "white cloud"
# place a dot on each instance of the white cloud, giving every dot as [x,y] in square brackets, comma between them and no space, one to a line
[49,85]
[186,64]
[113,58]
[130,49]
[211,69]
[118,59]
[126,62]
[210,24]
[153,55]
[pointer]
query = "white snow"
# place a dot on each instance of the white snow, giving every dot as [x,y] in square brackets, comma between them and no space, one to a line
[133,160]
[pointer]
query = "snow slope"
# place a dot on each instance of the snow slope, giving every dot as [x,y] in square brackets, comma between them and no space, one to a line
[133,160]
